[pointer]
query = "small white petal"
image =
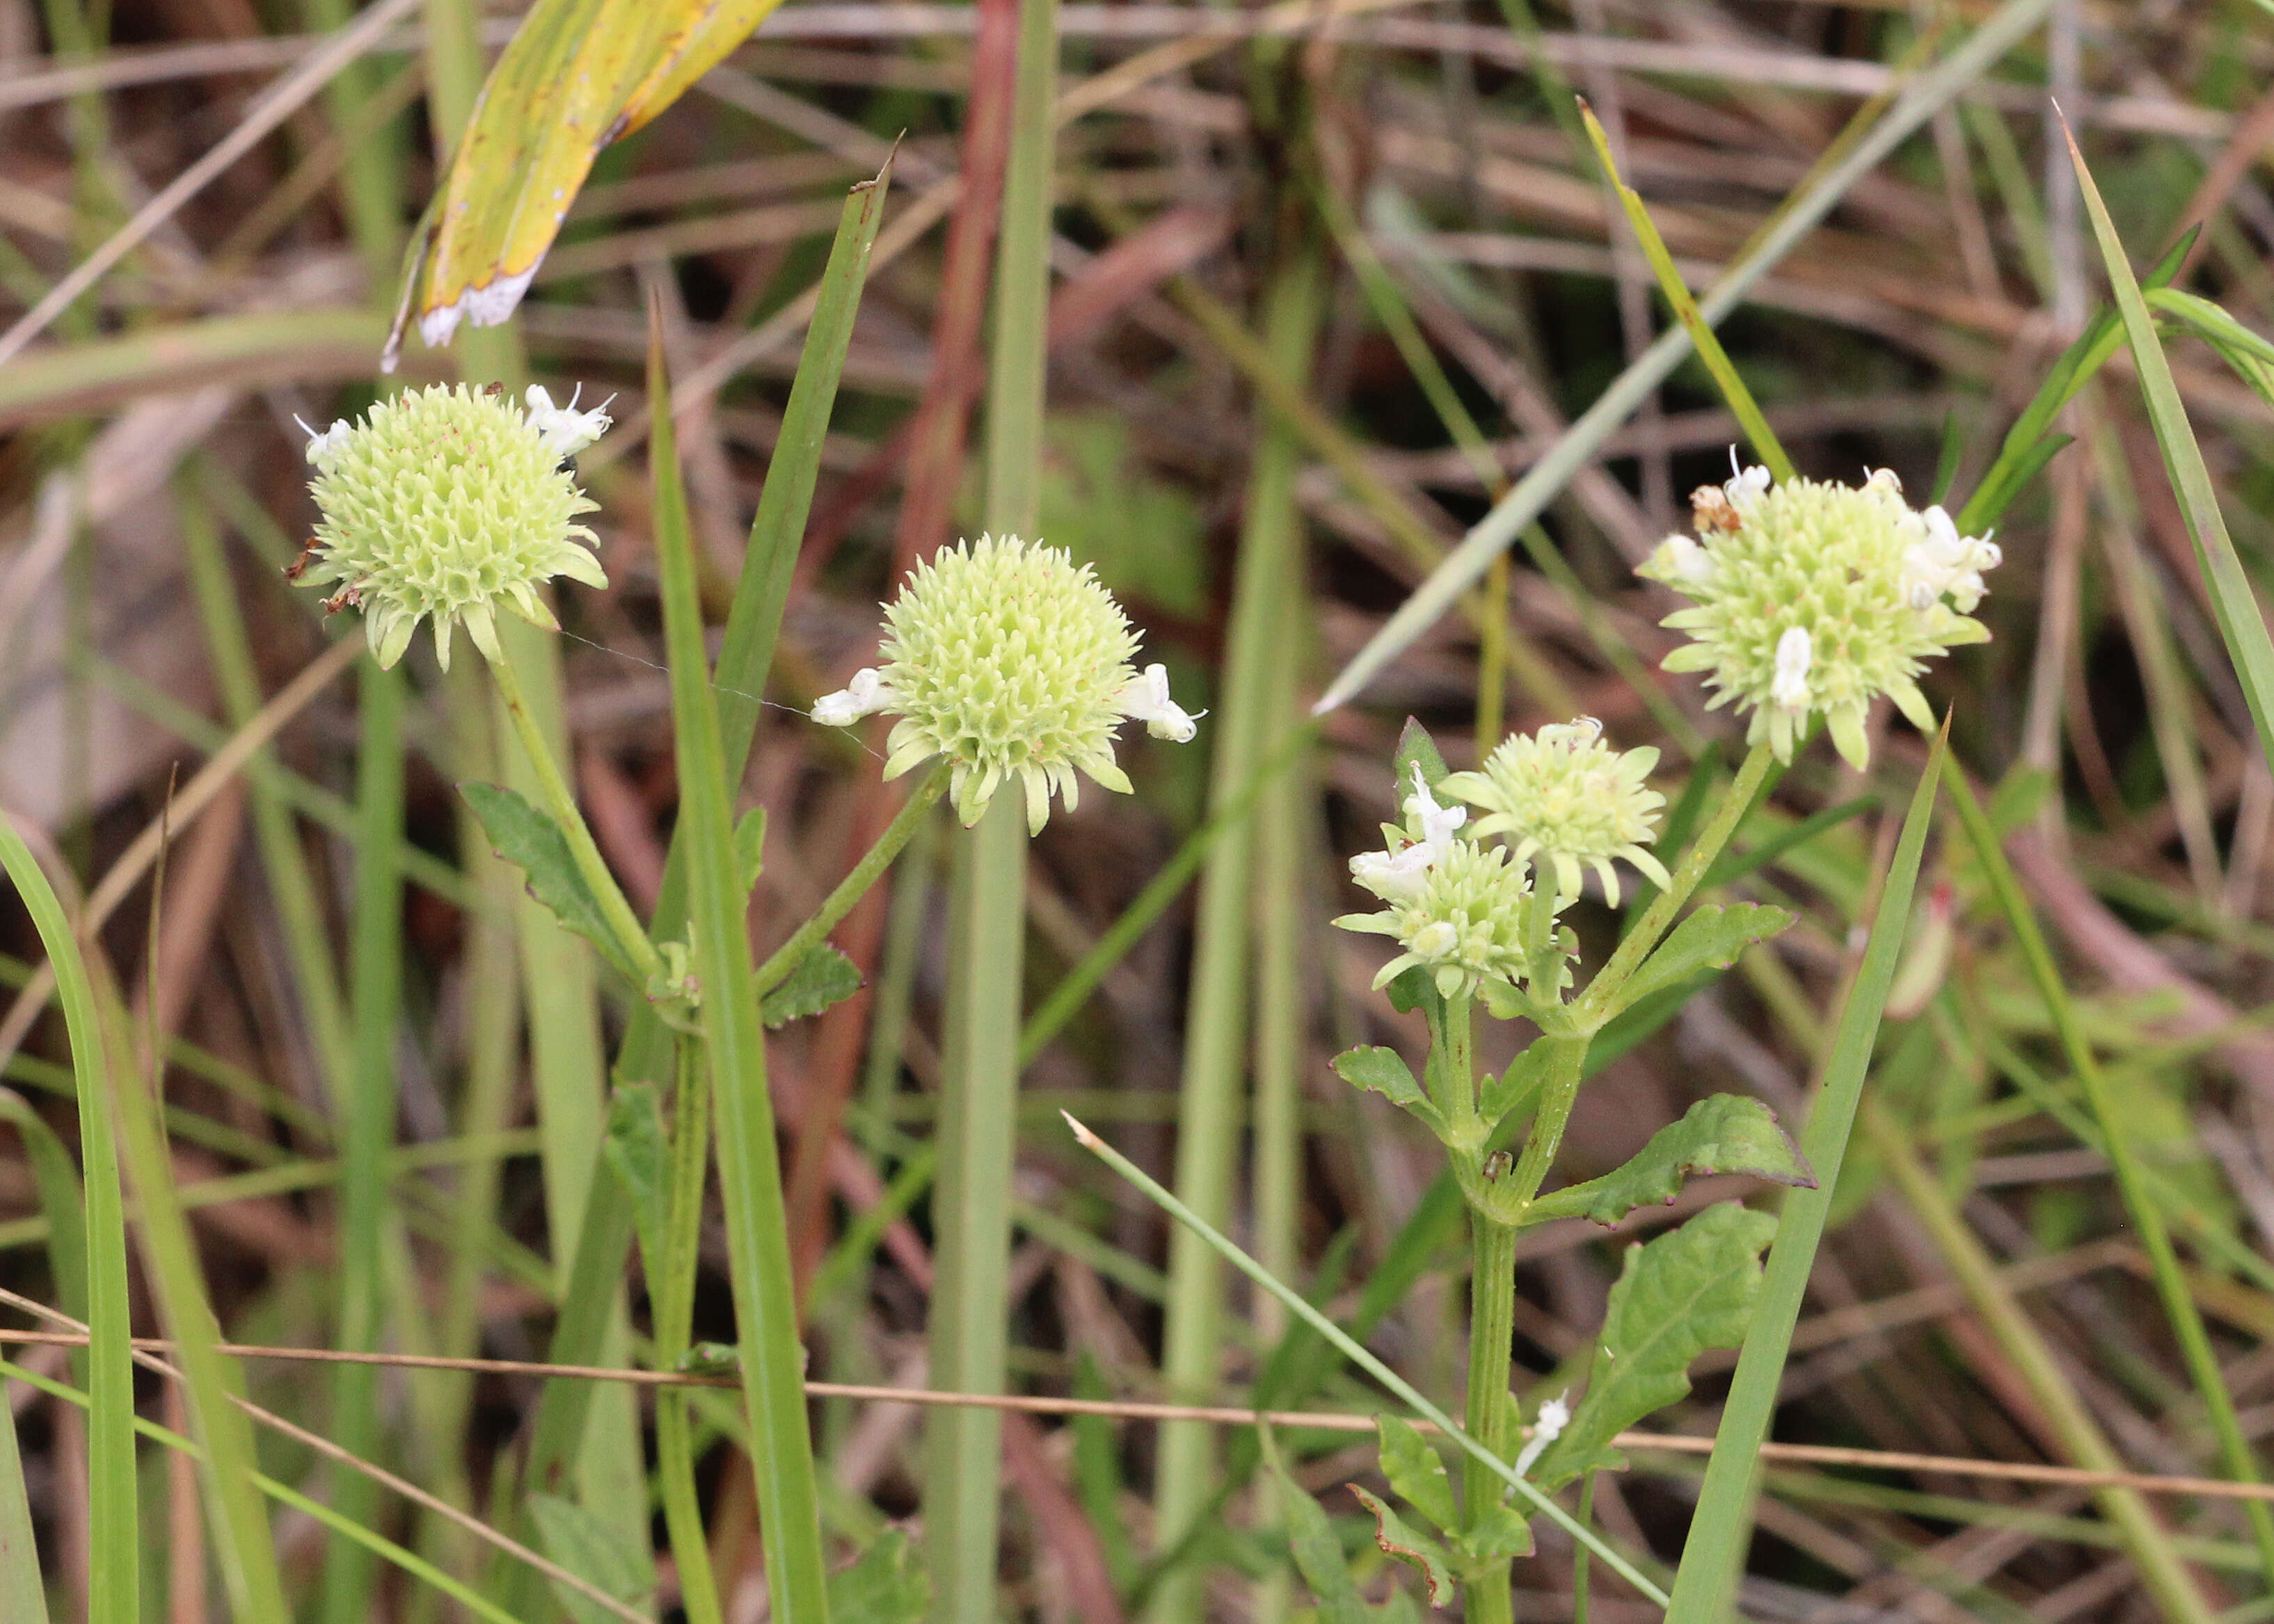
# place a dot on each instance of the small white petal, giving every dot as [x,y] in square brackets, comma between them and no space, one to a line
[865,695]
[322,448]
[1795,653]
[1145,698]
[566,431]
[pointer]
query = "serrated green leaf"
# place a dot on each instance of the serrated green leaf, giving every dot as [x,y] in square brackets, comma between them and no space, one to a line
[1499,1537]
[750,847]
[1676,1295]
[1711,938]
[1402,1542]
[823,977]
[532,842]
[639,1152]
[1721,1134]
[1384,1072]
[886,1585]
[1414,745]
[1513,1089]
[589,1548]
[1416,1473]
[1311,1541]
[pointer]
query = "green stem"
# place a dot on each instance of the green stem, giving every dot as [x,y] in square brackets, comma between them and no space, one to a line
[670,1289]
[1600,1002]
[1356,1352]
[623,924]
[1558,1092]
[977,1131]
[1491,1407]
[854,885]
[367,1117]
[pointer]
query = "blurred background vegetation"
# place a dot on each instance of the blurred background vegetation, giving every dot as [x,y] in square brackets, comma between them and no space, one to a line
[1327,279]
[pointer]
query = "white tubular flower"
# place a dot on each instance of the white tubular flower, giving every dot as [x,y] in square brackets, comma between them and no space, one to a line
[1554,1417]
[324,446]
[864,696]
[1145,699]
[1395,873]
[565,430]
[444,506]
[1815,598]
[1464,918]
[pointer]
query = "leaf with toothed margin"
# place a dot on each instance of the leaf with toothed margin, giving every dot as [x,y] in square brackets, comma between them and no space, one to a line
[1384,1072]
[1416,1472]
[1677,1295]
[1721,1134]
[823,977]
[1399,1540]
[1711,938]
[532,842]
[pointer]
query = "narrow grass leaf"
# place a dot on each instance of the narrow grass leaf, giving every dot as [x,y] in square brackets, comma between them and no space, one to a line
[2234,602]
[114,1576]
[1739,398]
[1721,1530]
[750,1172]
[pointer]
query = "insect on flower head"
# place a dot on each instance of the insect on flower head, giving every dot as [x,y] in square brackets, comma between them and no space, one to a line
[1808,596]
[448,503]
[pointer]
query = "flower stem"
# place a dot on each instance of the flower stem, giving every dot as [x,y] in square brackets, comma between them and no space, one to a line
[1491,1414]
[1566,1065]
[622,922]
[670,1289]
[854,885]
[1601,1000]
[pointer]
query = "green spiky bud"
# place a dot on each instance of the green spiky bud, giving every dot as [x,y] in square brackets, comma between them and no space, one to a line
[1812,598]
[1565,798]
[1464,917]
[1012,662]
[449,503]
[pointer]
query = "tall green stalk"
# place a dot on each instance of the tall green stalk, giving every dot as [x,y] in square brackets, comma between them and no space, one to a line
[978,1123]
[1256,674]
[114,1580]
[367,1119]
[749,1169]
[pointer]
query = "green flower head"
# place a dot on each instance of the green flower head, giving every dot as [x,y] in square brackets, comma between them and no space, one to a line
[1012,662]
[1564,797]
[1809,598]
[450,503]
[1463,915]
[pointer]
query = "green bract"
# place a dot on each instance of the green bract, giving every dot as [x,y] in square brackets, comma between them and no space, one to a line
[446,502]
[1463,916]
[1012,662]
[1564,796]
[1814,598]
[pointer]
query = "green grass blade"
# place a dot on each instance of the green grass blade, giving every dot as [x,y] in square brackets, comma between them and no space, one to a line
[1257,687]
[2116,1143]
[1713,1553]
[2234,602]
[23,1592]
[242,1544]
[114,1582]
[750,1172]
[1462,567]
[979,1123]
[1740,398]
[366,1118]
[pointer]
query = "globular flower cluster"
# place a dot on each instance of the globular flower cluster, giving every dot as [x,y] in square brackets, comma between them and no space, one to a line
[1565,798]
[1810,597]
[449,503]
[1459,910]
[1013,663]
